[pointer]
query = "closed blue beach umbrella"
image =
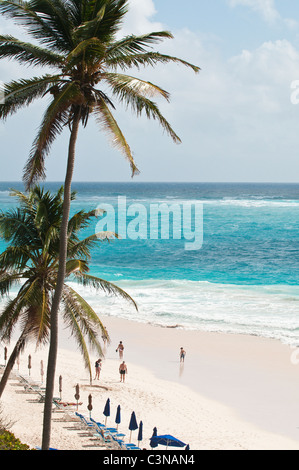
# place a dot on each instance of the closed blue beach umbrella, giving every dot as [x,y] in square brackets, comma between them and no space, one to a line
[106,411]
[118,418]
[133,424]
[140,432]
[153,443]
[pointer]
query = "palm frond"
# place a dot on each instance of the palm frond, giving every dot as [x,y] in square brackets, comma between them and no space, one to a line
[80,320]
[131,96]
[9,318]
[136,44]
[81,220]
[23,92]
[83,247]
[27,53]
[121,84]
[90,322]
[41,21]
[16,228]
[40,325]
[103,18]
[16,257]
[8,280]
[106,120]
[14,310]
[89,29]
[106,286]
[56,116]
[75,265]
[88,47]
[125,61]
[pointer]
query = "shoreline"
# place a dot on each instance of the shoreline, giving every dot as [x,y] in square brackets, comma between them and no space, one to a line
[233,392]
[252,376]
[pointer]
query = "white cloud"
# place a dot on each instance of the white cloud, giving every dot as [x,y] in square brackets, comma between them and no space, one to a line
[235,117]
[264,7]
[139,19]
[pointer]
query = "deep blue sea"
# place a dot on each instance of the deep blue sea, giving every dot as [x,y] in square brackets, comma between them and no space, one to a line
[244,279]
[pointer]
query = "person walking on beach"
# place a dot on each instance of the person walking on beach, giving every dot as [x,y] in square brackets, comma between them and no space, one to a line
[98,366]
[182,355]
[123,371]
[120,349]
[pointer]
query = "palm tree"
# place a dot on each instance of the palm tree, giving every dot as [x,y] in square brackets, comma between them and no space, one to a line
[78,39]
[31,258]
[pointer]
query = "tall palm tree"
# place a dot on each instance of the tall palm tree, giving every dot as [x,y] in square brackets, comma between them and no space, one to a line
[78,39]
[31,259]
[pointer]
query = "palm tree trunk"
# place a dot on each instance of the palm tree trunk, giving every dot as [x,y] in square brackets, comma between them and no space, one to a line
[11,361]
[52,356]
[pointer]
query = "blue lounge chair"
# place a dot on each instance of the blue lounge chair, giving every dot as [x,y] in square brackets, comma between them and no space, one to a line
[84,420]
[131,447]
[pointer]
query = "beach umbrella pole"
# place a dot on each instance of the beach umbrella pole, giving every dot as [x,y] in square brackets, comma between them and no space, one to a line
[29,364]
[60,387]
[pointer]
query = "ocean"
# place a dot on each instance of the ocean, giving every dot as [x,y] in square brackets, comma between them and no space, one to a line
[243,278]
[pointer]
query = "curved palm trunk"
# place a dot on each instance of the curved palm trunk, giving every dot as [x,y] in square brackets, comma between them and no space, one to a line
[59,286]
[11,361]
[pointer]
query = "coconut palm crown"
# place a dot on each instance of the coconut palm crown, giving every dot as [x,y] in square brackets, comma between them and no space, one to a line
[78,40]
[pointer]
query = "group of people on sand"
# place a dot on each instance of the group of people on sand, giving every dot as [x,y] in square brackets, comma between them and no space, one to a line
[123,367]
[123,370]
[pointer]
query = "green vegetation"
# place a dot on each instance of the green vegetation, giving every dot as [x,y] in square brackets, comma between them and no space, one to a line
[7,439]
[9,442]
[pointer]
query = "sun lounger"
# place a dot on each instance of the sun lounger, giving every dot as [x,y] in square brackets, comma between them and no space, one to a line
[65,405]
[109,434]
[131,447]
[50,448]
[30,385]
[97,423]
[85,422]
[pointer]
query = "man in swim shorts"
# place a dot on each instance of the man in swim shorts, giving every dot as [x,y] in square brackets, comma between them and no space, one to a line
[123,371]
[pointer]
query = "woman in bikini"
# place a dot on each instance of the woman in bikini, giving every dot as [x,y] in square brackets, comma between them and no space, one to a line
[98,366]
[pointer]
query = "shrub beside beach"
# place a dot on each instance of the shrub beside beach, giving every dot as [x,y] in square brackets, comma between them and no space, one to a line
[8,441]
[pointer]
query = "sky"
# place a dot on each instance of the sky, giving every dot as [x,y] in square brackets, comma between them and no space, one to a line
[237,118]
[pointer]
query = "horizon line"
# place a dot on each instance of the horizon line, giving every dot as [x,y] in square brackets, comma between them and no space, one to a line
[159,182]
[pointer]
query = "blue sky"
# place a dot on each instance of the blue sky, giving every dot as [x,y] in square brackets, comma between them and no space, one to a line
[235,118]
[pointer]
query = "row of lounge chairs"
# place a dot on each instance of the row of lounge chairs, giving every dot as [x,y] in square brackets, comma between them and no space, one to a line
[109,435]
[31,386]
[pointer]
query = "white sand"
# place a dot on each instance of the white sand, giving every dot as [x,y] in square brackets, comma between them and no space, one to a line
[233,392]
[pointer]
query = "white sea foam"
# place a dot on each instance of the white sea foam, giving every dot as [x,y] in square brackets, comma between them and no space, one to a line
[268,311]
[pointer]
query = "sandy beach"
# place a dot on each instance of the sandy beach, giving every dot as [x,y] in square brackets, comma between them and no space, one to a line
[232,393]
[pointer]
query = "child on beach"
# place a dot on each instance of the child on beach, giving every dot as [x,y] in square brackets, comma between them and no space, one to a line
[182,355]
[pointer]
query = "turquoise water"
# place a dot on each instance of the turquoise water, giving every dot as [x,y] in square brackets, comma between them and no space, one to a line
[244,279]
